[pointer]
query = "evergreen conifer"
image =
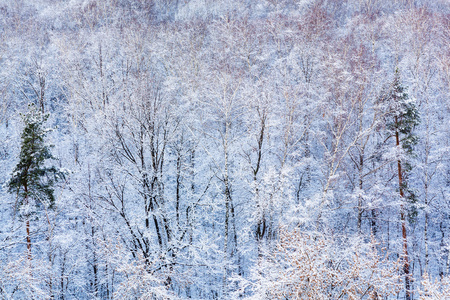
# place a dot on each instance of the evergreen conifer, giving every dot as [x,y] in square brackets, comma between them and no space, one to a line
[401,118]
[32,181]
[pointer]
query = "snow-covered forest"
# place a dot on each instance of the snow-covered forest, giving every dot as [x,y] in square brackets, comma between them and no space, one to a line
[200,149]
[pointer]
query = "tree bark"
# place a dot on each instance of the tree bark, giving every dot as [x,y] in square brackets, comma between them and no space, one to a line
[28,239]
[27,224]
[406,270]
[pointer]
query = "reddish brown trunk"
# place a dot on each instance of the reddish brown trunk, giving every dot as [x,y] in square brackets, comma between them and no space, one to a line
[403,221]
[28,239]
[27,224]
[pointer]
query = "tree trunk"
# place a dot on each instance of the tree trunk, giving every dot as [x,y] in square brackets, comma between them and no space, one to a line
[28,239]
[403,221]
[27,223]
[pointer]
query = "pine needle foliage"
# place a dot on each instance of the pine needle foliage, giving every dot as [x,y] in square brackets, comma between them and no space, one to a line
[402,117]
[32,179]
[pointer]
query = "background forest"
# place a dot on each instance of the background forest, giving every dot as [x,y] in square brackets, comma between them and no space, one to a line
[270,149]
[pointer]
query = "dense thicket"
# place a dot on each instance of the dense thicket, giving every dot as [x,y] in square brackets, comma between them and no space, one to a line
[229,149]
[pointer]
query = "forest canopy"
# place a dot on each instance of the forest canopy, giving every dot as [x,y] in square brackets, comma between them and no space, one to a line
[203,149]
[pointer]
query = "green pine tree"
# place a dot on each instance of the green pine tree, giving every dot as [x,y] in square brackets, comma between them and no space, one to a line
[32,181]
[401,117]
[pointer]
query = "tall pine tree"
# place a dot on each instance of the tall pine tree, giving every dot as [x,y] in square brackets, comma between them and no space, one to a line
[401,117]
[32,181]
